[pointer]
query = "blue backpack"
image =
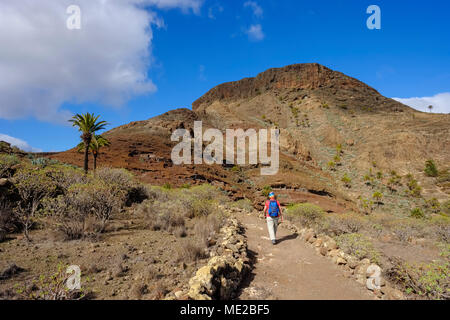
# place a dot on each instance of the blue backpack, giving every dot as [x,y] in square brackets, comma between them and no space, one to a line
[273,209]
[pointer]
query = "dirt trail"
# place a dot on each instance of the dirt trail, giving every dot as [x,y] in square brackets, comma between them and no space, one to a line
[292,270]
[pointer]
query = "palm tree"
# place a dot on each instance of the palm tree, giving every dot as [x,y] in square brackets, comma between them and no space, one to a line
[430,107]
[87,124]
[97,142]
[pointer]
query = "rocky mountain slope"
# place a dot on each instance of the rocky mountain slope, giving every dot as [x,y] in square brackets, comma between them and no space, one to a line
[330,124]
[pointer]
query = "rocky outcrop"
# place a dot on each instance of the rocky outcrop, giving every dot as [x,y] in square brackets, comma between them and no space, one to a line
[223,274]
[307,76]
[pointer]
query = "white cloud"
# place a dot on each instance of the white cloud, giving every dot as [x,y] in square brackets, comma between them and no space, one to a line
[257,10]
[185,5]
[213,10]
[43,64]
[440,103]
[255,32]
[23,145]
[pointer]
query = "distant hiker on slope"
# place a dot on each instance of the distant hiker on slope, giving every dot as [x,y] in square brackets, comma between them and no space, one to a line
[272,210]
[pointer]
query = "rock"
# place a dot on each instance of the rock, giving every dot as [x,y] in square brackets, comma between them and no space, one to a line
[377,293]
[352,262]
[308,235]
[330,245]
[339,261]
[178,294]
[318,242]
[364,261]
[373,273]
[393,294]
[3,182]
[333,253]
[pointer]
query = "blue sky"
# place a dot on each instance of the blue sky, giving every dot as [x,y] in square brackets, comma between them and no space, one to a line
[189,46]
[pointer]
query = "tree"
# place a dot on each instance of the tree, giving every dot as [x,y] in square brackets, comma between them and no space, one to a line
[430,107]
[87,124]
[97,142]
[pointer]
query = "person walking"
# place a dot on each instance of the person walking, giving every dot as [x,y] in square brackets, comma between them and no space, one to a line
[273,213]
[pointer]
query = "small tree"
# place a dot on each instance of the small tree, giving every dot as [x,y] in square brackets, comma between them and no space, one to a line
[377,196]
[430,107]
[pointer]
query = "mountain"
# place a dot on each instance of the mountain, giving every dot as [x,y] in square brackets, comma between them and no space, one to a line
[321,113]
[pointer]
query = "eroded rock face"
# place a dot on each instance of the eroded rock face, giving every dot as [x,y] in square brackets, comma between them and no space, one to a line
[308,76]
[221,277]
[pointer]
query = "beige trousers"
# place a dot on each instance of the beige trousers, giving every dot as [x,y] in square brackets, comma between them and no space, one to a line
[272,225]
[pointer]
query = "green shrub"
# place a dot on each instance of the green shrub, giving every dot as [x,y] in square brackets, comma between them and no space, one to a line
[51,287]
[417,213]
[339,224]
[429,280]
[43,162]
[122,182]
[359,246]
[413,186]
[7,162]
[431,168]
[346,180]
[266,190]
[307,214]
[377,196]
[244,204]
[331,165]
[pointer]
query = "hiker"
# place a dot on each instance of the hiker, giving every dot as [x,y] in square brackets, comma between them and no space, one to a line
[272,210]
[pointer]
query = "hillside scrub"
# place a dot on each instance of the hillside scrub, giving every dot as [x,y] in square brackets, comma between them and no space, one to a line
[73,203]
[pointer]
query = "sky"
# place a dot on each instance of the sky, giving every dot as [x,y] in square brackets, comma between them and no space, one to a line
[130,60]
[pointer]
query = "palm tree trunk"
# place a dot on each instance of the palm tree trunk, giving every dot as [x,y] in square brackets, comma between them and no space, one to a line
[87,143]
[95,161]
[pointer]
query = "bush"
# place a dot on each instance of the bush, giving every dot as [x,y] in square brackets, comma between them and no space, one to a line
[7,163]
[417,213]
[43,162]
[244,204]
[346,223]
[191,249]
[346,180]
[85,209]
[206,228]
[425,279]
[122,181]
[358,245]
[53,287]
[167,216]
[266,190]
[307,214]
[431,168]
[407,229]
[32,186]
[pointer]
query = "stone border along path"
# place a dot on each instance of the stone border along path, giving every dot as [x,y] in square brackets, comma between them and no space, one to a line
[295,269]
[228,266]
